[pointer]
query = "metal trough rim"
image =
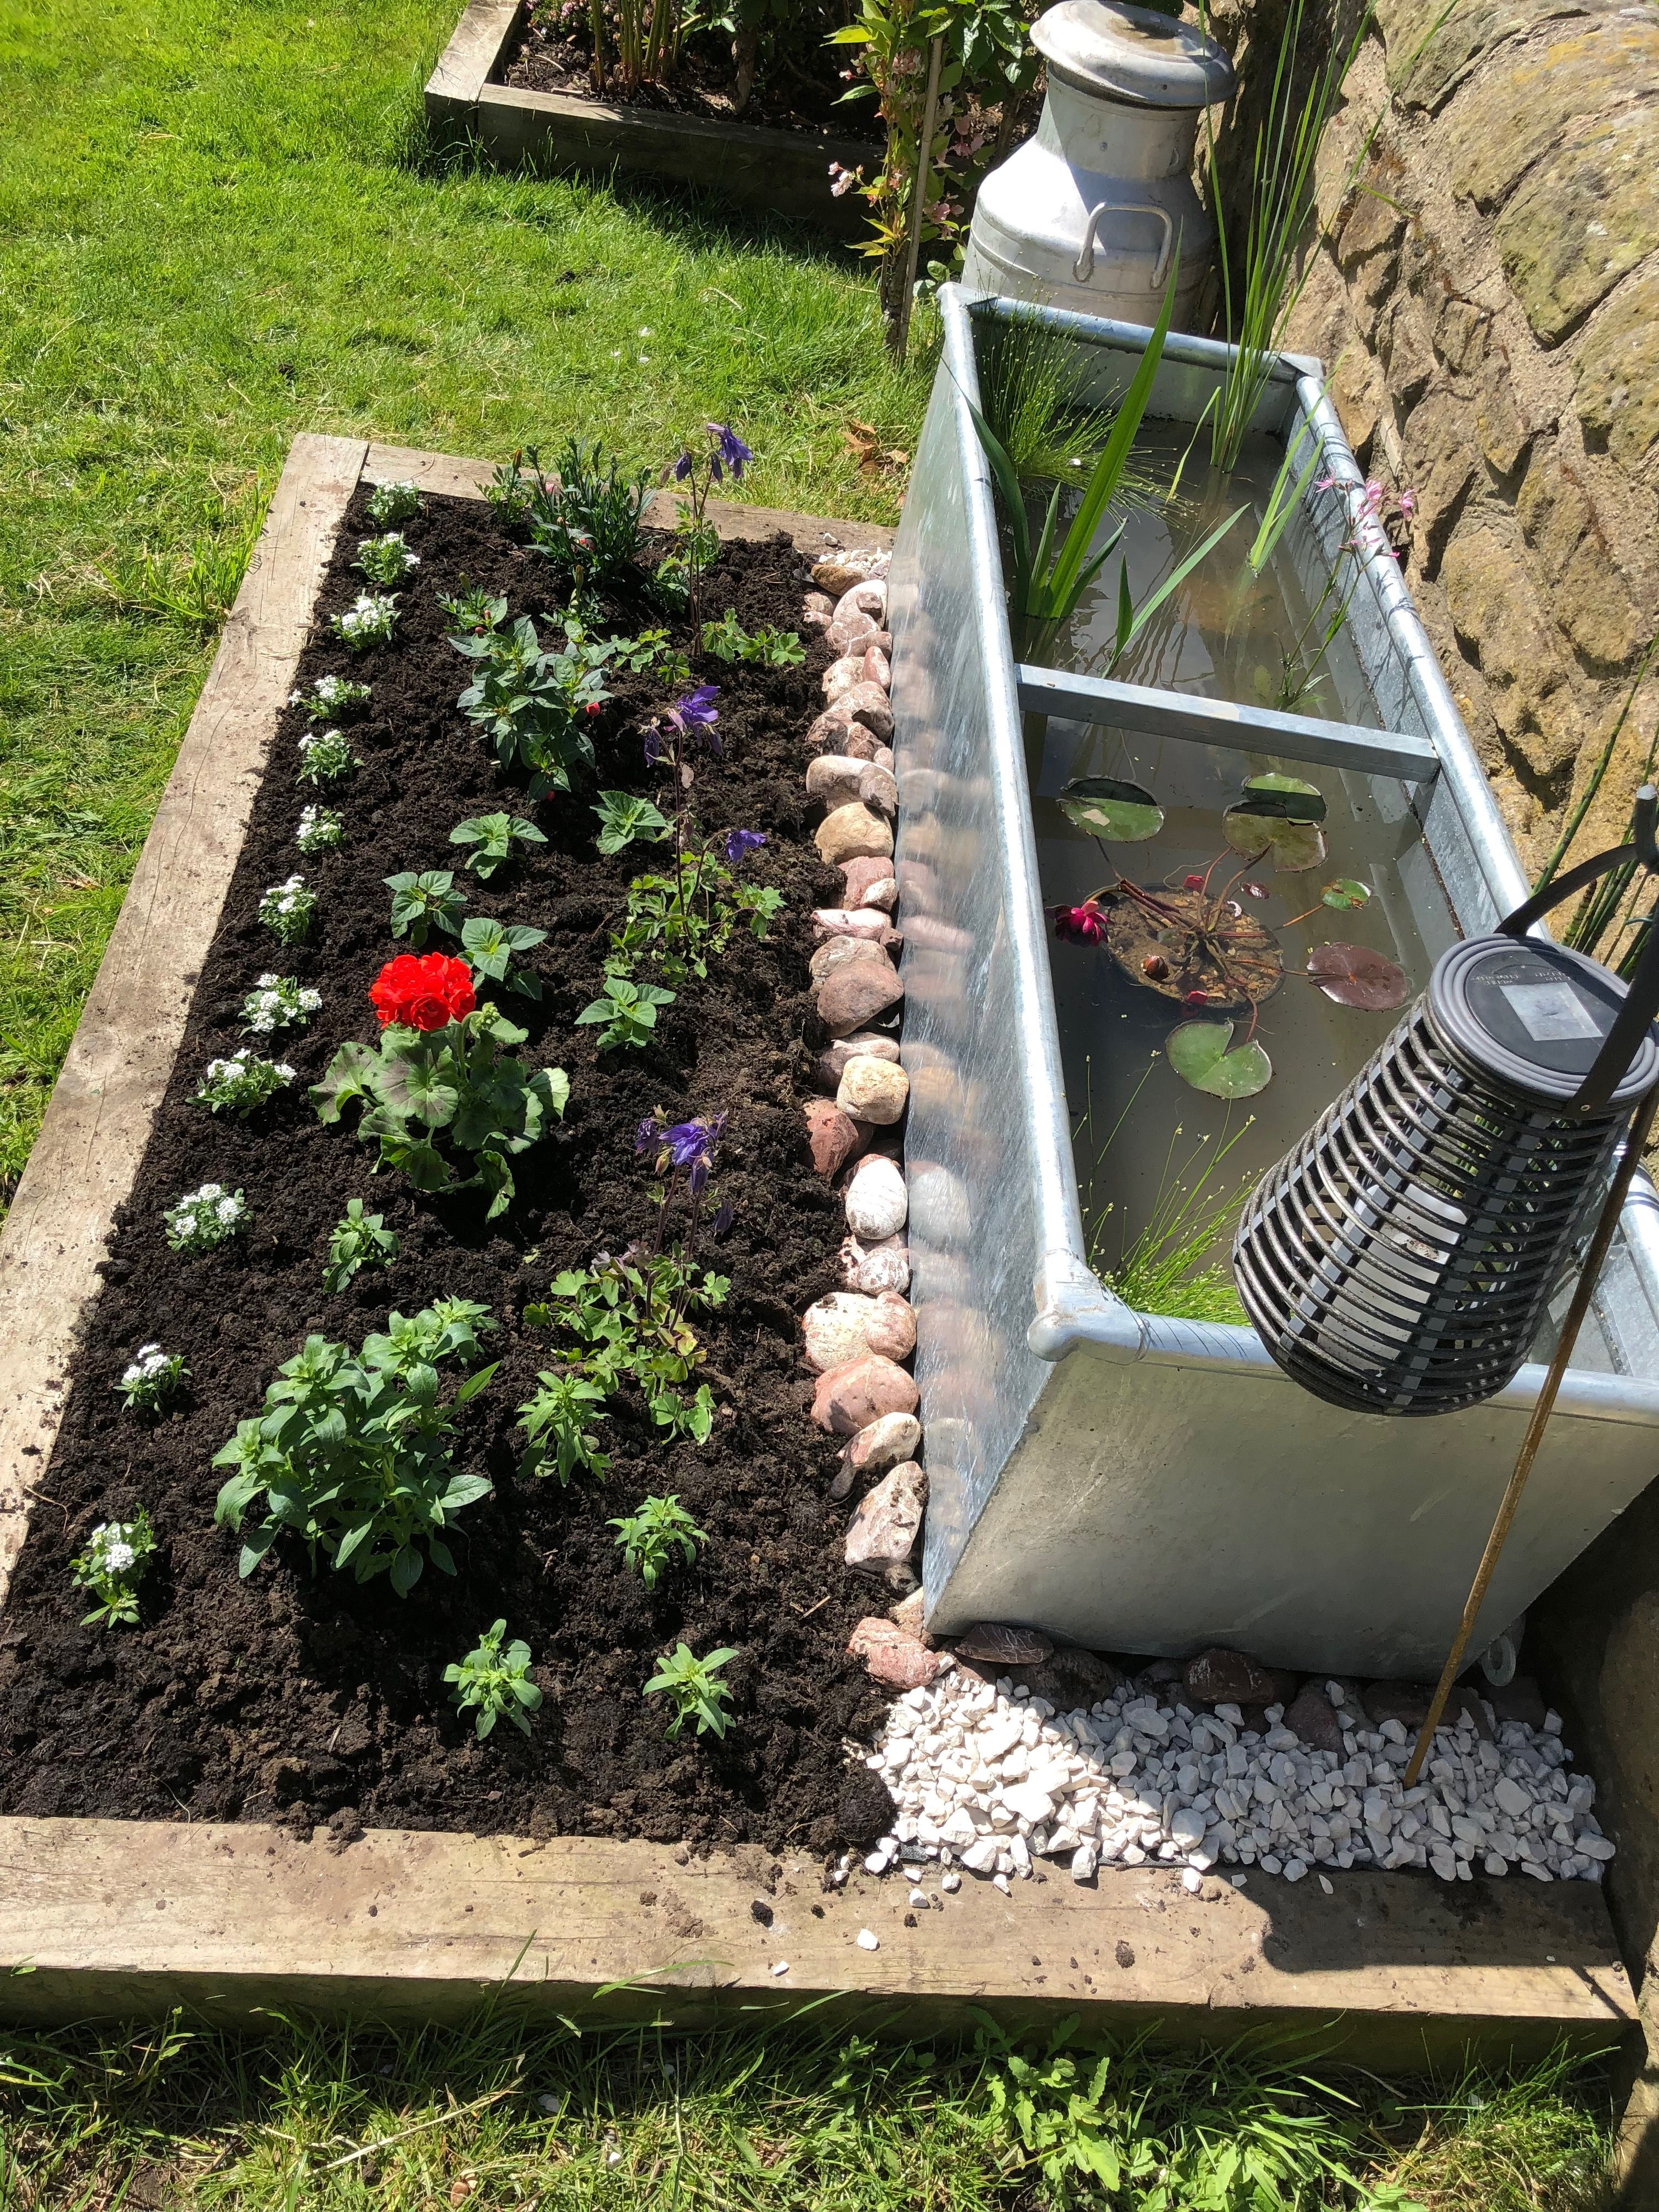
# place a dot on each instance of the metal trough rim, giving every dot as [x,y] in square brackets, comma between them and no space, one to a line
[1072,1307]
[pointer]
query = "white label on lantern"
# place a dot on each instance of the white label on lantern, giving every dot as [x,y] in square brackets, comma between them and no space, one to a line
[1549,1011]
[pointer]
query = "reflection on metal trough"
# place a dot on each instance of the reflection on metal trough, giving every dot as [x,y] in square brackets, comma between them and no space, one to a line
[1130,1481]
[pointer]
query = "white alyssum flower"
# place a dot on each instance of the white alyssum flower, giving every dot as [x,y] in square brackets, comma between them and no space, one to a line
[113,1567]
[325,757]
[203,1219]
[331,695]
[320,830]
[111,1553]
[150,1375]
[242,1082]
[387,559]
[279,1002]
[393,502]
[288,908]
[369,620]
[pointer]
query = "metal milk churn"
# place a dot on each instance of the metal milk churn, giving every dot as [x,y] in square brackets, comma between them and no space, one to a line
[1087,214]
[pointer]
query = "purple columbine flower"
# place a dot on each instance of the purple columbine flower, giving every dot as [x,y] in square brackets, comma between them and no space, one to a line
[692,1145]
[739,844]
[697,710]
[725,1218]
[683,467]
[656,750]
[729,448]
[647,1137]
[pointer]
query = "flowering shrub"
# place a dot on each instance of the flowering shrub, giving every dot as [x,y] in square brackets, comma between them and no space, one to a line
[533,706]
[203,1218]
[352,1450]
[279,1002]
[723,453]
[693,1689]
[370,620]
[430,1078]
[650,1537]
[331,696]
[491,838]
[386,560]
[111,1567]
[288,910]
[393,502]
[151,1377]
[360,1240]
[325,758]
[496,1681]
[321,829]
[422,994]
[243,1082]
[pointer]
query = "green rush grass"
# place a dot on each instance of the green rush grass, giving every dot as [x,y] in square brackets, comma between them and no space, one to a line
[220,225]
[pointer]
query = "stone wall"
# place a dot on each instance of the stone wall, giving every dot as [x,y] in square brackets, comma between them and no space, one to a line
[1487,302]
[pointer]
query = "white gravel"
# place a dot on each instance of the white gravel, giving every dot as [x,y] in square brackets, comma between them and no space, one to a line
[989,1779]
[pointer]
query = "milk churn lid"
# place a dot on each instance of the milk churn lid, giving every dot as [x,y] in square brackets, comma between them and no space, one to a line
[1135,54]
[1533,1015]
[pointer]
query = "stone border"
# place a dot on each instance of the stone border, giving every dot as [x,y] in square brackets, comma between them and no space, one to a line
[754,166]
[122,1918]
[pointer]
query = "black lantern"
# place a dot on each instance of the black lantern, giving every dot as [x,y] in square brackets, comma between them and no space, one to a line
[1399,1259]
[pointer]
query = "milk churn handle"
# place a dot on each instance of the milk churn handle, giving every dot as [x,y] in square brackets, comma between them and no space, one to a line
[1623,1039]
[1084,267]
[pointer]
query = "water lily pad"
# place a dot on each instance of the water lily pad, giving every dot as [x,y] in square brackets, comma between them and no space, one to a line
[1354,976]
[1344,894]
[1182,943]
[1279,815]
[1199,1055]
[1106,807]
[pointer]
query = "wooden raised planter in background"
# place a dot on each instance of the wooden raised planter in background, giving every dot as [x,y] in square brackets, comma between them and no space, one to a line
[751,166]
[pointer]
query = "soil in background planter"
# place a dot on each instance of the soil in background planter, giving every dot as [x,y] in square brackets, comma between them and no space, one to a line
[293,1696]
[549,53]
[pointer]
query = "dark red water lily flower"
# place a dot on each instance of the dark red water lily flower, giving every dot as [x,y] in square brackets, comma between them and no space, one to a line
[1079,925]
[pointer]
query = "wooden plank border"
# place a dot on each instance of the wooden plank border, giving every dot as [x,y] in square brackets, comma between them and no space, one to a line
[120,1918]
[752,165]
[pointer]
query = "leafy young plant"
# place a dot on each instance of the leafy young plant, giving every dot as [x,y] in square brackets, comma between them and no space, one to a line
[555,1420]
[494,1682]
[533,705]
[370,620]
[358,1240]
[489,946]
[694,1689]
[728,641]
[629,1316]
[629,1011]
[460,1082]
[491,838]
[472,609]
[288,910]
[352,1454]
[589,517]
[625,820]
[1048,583]
[650,1537]
[331,696]
[321,829]
[391,503]
[113,1564]
[205,1218]
[423,902]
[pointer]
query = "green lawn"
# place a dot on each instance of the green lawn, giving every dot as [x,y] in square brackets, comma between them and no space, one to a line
[218,228]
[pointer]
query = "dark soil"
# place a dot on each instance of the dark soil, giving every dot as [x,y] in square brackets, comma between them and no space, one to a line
[299,1696]
[800,90]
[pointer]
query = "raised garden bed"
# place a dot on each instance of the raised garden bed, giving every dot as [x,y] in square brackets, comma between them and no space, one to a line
[114,1914]
[753,166]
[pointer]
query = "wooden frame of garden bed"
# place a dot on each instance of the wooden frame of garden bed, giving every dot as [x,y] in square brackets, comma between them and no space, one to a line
[751,164]
[118,1918]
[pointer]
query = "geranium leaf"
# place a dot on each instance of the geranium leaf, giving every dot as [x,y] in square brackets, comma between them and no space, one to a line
[1106,807]
[1354,976]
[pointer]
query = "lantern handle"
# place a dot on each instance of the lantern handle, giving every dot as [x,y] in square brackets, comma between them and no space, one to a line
[1624,1040]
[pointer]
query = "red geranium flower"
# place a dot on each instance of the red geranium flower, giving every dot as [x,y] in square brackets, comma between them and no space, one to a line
[422,993]
[1079,925]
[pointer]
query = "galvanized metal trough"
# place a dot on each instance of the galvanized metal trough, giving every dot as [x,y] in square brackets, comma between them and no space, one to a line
[1132,1482]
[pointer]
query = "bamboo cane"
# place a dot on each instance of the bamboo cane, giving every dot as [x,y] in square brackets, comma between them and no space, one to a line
[1595,1259]
[924,165]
